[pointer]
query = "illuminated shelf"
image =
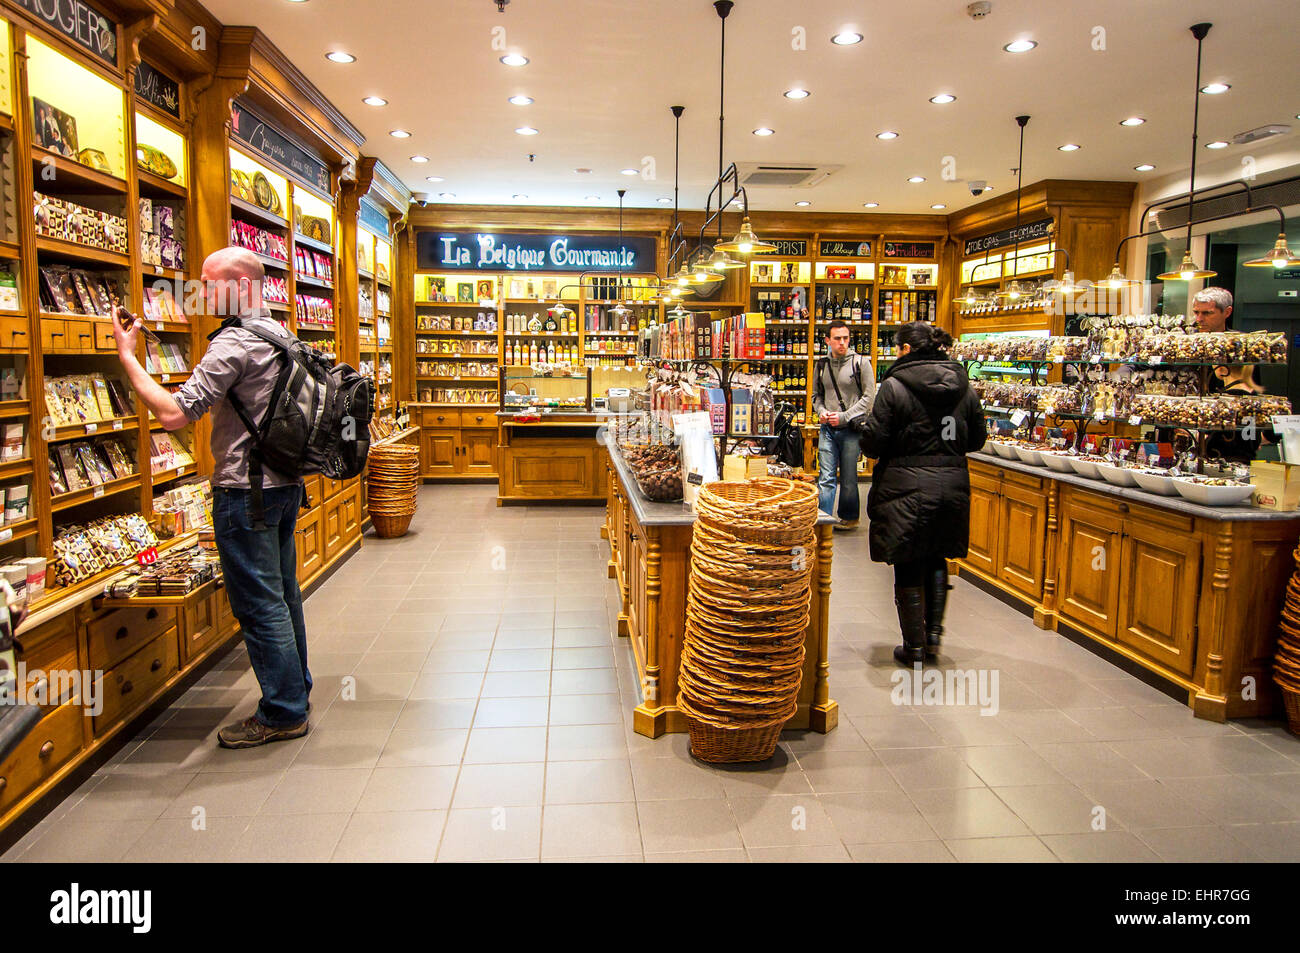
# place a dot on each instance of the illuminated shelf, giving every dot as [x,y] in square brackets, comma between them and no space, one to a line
[15,408]
[312,243]
[70,176]
[15,468]
[101,428]
[12,532]
[490,334]
[155,187]
[247,210]
[460,304]
[313,282]
[112,488]
[166,476]
[80,253]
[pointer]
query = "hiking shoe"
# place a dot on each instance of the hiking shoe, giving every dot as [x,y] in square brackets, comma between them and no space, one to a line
[250,733]
[846,526]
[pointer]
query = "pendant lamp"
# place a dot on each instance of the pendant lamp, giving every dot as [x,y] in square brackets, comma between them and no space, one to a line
[1279,257]
[746,242]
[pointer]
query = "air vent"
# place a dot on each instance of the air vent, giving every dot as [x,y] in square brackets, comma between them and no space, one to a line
[1261,132]
[783,175]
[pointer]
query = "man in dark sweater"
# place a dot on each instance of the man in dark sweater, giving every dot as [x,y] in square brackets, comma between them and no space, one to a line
[845,386]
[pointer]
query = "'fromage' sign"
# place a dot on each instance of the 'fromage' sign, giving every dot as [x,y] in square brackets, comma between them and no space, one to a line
[494,251]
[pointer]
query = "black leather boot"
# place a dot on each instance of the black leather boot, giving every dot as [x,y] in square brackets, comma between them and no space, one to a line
[936,600]
[911,620]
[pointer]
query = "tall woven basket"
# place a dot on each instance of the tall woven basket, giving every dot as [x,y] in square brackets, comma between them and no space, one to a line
[393,483]
[748,606]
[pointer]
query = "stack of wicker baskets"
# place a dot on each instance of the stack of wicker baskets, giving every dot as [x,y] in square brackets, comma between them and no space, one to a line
[746,613]
[392,485]
[1286,664]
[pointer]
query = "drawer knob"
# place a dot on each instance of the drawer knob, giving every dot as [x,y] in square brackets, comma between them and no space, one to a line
[157,664]
[1123,507]
[4,783]
[127,688]
[151,614]
[121,633]
[47,749]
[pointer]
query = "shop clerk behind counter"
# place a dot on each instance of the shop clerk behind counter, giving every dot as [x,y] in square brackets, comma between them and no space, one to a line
[1213,310]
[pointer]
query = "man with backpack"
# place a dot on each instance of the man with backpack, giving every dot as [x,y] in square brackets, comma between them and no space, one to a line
[279,409]
[845,386]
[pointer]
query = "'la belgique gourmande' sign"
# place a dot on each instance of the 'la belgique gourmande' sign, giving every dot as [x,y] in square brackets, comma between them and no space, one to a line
[477,250]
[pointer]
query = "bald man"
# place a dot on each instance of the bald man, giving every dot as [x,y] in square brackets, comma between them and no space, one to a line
[257,558]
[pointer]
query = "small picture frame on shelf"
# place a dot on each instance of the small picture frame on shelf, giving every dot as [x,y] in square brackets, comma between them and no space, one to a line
[517,288]
[465,292]
[550,288]
[54,129]
[893,274]
[764,273]
[790,271]
[437,287]
[921,276]
[486,291]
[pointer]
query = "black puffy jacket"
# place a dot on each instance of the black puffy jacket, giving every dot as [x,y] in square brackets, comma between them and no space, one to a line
[924,421]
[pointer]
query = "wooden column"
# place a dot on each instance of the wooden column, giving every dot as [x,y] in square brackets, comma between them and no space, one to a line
[1045,615]
[1212,701]
[347,318]
[824,714]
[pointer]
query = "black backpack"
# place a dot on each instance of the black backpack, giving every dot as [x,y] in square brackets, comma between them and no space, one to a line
[318,419]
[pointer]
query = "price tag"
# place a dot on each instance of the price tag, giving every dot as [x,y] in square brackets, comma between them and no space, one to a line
[158,326]
[997,403]
[1019,417]
[166,378]
[983,357]
[1095,359]
[98,492]
[1099,415]
[1048,411]
[1058,358]
[1157,359]
[6,535]
[1135,420]
[117,425]
[180,470]
[157,269]
[147,557]
[91,428]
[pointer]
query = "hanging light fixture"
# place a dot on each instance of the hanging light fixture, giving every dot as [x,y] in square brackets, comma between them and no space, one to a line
[721,261]
[969,299]
[701,273]
[1014,291]
[559,310]
[1189,270]
[1116,280]
[746,242]
[1065,285]
[1279,257]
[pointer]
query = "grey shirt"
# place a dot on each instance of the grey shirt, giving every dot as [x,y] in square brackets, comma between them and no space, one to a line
[857,402]
[240,361]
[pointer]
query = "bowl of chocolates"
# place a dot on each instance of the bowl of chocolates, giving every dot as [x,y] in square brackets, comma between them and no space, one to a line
[1086,466]
[1155,481]
[1058,460]
[1115,473]
[1030,453]
[1214,491]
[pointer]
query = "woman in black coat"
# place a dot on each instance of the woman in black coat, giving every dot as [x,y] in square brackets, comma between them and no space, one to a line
[925,419]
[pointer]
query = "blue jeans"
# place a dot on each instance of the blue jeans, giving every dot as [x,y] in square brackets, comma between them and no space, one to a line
[261,571]
[838,448]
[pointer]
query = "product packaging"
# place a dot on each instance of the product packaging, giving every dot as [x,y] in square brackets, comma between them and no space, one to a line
[36,566]
[699,457]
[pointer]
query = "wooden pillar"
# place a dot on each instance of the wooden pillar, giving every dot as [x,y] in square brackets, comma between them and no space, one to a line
[824,715]
[347,318]
[1045,615]
[1212,701]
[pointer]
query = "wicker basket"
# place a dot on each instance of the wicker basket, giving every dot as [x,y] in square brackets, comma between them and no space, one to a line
[733,744]
[1291,702]
[390,527]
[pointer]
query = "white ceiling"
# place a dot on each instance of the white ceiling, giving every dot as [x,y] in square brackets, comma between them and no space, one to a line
[604,72]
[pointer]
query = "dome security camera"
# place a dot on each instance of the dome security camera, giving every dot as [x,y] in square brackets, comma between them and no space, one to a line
[977,186]
[421,198]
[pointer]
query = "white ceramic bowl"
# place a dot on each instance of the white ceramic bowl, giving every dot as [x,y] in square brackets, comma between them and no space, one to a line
[1214,495]
[1117,476]
[1060,462]
[1032,457]
[1085,468]
[1156,483]
[1005,451]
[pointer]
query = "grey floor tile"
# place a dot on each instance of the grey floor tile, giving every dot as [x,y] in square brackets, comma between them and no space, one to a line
[1204,845]
[456,661]
[1277,843]
[512,712]
[586,657]
[917,769]
[519,660]
[587,709]
[360,715]
[735,855]
[586,742]
[914,852]
[317,791]
[393,837]
[290,838]
[876,817]
[86,841]
[901,730]
[1100,847]
[516,684]
[1001,850]
[224,794]
[1231,800]
[800,854]
[584,681]
[434,746]
[574,830]
[588,782]
[447,685]
[422,788]
[1144,805]
[672,779]
[1054,808]
[423,714]
[505,833]
[505,745]
[967,812]
[687,825]
[128,797]
[1088,761]
[1010,765]
[497,785]
[782,821]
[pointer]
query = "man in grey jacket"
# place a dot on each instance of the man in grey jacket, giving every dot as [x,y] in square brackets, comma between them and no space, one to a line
[844,389]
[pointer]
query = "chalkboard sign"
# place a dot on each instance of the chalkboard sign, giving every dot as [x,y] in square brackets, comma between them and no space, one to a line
[909,250]
[372,218]
[79,22]
[260,136]
[846,248]
[787,248]
[158,90]
[1034,231]
[496,251]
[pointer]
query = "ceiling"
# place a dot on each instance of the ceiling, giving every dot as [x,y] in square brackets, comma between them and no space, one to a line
[603,74]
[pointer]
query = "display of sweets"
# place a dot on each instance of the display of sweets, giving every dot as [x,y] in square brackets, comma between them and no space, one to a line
[86,399]
[183,508]
[1226,347]
[275,289]
[1214,413]
[259,240]
[70,222]
[83,465]
[77,291]
[482,321]
[1020,348]
[458,395]
[160,243]
[82,551]
[311,309]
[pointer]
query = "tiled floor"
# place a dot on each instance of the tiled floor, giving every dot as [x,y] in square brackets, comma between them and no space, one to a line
[486,716]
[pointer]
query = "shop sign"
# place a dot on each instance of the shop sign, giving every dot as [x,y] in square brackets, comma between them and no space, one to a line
[787,248]
[845,248]
[260,136]
[909,250]
[158,90]
[504,251]
[79,22]
[1034,231]
[372,219]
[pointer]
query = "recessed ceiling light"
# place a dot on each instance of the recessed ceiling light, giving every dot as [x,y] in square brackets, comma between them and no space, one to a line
[519,197]
[514,59]
[1215,88]
[1020,46]
[630,171]
[1217,144]
[521,100]
[375,101]
[1069,147]
[400,134]
[338,56]
[593,198]
[665,200]
[886,135]
[943,98]
[916,178]
[764,131]
[803,203]
[938,206]
[526,131]
[1144,167]
[419,158]
[1132,121]
[846,38]
[433,178]
[798,93]
[871,205]
[446,195]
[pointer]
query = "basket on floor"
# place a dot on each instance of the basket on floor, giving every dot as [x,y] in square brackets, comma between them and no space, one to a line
[1286,660]
[392,487]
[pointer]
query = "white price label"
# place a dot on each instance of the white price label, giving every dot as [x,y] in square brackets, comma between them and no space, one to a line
[983,357]
[6,535]
[1095,359]
[1019,417]
[1135,420]
[1058,358]
[157,269]
[91,428]
[1157,359]
[997,403]
[1099,415]
[180,470]
[1048,411]
[158,326]
[166,378]
[117,425]
[99,491]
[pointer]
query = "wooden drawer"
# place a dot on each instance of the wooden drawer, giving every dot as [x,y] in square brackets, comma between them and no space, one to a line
[14,333]
[987,473]
[81,336]
[310,545]
[441,418]
[1014,478]
[478,418]
[200,628]
[330,488]
[50,655]
[134,682]
[39,756]
[114,636]
[54,335]
[104,340]
[226,620]
[1131,511]
[315,495]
